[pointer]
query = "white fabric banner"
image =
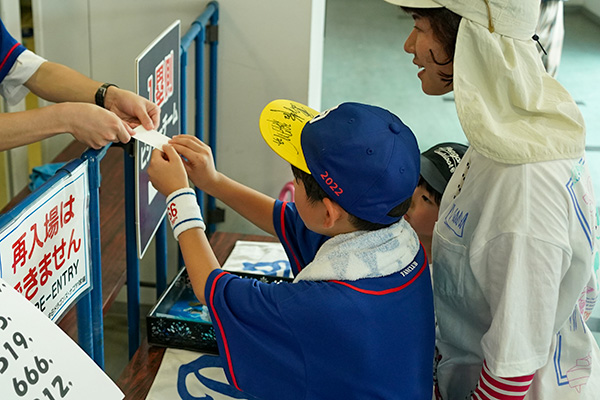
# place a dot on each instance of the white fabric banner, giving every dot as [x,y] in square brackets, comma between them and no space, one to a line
[188,375]
[259,258]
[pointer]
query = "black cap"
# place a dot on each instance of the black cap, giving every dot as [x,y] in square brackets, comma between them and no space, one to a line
[439,163]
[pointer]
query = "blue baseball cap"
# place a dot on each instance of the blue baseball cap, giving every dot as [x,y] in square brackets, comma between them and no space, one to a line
[363,156]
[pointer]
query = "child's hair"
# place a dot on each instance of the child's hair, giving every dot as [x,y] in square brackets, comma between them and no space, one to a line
[444,24]
[437,196]
[315,193]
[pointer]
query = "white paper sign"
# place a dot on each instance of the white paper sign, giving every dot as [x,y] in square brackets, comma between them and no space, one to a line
[267,258]
[38,361]
[45,251]
[152,137]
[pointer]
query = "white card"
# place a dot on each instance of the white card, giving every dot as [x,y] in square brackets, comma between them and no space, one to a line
[39,361]
[152,137]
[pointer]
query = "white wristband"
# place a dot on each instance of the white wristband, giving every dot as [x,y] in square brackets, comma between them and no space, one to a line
[183,211]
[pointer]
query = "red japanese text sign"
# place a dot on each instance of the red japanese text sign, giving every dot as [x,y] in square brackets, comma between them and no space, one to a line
[45,251]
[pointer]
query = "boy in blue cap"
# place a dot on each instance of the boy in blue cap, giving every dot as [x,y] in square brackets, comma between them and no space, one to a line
[358,321]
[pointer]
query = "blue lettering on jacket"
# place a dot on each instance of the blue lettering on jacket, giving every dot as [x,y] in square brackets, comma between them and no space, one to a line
[456,220]
[582,205]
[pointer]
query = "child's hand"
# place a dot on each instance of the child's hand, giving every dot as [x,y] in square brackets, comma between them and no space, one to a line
[166,171]
[198,161]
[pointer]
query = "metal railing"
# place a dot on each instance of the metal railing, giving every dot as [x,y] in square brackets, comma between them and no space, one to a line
[89,306]
[202,31]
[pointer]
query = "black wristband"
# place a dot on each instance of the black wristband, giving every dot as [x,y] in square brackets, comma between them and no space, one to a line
[101,93]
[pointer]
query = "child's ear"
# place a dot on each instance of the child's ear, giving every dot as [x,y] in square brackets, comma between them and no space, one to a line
[333,213]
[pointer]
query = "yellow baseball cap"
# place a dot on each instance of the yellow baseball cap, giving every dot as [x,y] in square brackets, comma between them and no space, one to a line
[281,123]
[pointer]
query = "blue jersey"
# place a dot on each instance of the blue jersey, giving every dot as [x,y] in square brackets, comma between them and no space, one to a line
[299,243]
[10,49]
[371,338]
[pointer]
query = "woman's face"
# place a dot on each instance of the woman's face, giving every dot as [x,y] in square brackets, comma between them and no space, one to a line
[425,48]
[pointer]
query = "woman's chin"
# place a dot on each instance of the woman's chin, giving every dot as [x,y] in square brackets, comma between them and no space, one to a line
[435,90]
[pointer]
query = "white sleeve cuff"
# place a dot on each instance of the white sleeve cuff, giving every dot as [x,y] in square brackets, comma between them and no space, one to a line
[183,211]
[12,87]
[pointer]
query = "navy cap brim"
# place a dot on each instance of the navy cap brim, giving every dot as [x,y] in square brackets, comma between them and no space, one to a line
[432,175]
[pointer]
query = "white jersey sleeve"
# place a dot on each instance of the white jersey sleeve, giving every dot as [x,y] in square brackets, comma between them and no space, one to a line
[12,87]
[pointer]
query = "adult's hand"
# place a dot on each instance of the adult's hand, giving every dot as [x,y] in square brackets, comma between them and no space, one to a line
[93,125]
[76,111]
[131,108]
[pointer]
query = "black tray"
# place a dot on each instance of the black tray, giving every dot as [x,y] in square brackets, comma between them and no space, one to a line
[171,325]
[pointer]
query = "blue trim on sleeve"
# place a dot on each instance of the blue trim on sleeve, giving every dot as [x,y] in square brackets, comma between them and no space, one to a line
[187,220]
[182,194]
[10,50]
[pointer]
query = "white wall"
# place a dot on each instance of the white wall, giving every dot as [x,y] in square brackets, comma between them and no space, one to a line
[266,51]
[593,6]
[68,45]
[266,55]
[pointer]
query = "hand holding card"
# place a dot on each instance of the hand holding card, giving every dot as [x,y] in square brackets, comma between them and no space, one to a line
[150,137]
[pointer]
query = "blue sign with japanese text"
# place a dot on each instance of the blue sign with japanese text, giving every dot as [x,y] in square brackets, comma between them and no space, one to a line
[158,79]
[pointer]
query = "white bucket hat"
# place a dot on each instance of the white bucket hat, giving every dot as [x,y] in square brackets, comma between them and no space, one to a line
[510,109]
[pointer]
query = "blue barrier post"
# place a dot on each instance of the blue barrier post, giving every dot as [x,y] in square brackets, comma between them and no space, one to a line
[197,34]
[199,96]
[212,117]
[199,84]
[94,157]
[133,263]
[160,240]
[183,90]
[183,108]
[85,331]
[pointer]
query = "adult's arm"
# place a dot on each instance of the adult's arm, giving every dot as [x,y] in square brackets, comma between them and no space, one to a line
[76,111]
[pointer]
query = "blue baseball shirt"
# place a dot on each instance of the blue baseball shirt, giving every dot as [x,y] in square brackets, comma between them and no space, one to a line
[300,244]
[10,49]
[359,339]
